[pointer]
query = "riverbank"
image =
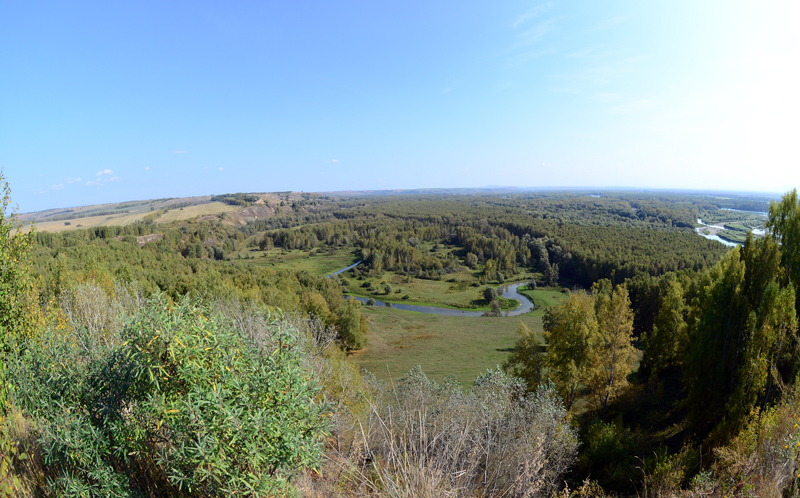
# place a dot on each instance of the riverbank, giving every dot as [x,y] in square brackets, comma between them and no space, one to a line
[458,346]
[509,293]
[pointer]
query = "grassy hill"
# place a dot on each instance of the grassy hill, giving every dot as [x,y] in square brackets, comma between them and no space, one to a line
[227,208]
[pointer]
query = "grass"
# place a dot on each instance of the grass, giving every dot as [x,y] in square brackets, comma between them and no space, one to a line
[315,263]
[455,290]
[543,297]
[194,211]
[463,347]
[137,212]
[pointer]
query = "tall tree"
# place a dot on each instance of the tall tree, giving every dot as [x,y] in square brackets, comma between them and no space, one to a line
[665,345]
[715,335]
[527,359]
[784,224]
[352,325]
[569,330]
[613,353]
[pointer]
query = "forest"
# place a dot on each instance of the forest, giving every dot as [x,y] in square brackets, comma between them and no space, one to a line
[219,355]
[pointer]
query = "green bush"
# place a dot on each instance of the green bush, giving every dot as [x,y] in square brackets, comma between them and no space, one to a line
[185,406]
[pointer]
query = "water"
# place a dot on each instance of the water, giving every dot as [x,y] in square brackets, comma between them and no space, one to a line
[343,270]
[714,237]
[509,292]
[762,213]
[719,239]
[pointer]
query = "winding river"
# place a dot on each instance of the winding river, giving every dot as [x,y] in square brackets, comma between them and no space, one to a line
[509,292]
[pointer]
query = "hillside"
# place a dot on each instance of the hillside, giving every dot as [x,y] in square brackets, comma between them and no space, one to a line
[227,208]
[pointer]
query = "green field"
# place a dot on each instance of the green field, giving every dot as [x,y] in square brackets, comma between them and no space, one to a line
[454,290]
[460,346]
[315,262]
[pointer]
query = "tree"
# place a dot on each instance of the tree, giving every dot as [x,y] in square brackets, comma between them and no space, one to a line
[784,224]
[569,330]
[612,352]
[551,274]
[471,261]
[352,326]
[527,359]
[387,288]
[665,345]
[489,294]
[718,321]
[18,306]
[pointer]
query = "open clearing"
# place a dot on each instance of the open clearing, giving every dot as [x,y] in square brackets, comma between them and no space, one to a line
[460,346]
[319,263]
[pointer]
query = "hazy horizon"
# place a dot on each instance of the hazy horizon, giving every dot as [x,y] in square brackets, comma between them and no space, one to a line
[488,188]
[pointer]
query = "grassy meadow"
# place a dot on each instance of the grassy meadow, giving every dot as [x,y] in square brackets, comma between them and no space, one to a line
[459,346]
[316,262]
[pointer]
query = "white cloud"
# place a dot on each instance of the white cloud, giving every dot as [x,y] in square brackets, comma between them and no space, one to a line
[222,169]
[147,168]
[92,183]
[532,14]
[71,180]
[115,179]
[334,160]
[105,172]
[57,187]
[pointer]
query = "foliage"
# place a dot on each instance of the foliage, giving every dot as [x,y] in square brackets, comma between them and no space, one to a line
[430,439]
[186,405]
[613,353]
[741,325]
[17,316]
[527,360]
[763,459]
[570,330]
[610,449]
[784,224]
[665,346]
[352,326]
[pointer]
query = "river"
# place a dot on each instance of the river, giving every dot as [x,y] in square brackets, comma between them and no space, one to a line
[509,292]
[342,270]
[714,236]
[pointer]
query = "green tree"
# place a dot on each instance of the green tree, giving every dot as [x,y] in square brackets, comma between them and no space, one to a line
[612,351]
[17,311]
[665,345]
[387,288]
[527,359]
[569,331]
[784,225]
[717,322]
[352,326]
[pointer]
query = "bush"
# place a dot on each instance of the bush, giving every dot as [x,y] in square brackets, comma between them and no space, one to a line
[431,439]
[186,405]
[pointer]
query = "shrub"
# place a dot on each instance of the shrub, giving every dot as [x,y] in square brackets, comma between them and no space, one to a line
[186,406]
[431,439]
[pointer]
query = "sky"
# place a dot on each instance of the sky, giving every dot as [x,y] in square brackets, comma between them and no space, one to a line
[113,101]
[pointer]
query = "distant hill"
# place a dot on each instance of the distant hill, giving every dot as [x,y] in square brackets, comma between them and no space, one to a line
[230,209]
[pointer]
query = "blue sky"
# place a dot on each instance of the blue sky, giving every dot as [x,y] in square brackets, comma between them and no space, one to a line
[113,101]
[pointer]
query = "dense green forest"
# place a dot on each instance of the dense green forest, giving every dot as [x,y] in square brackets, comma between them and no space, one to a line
[212,356]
